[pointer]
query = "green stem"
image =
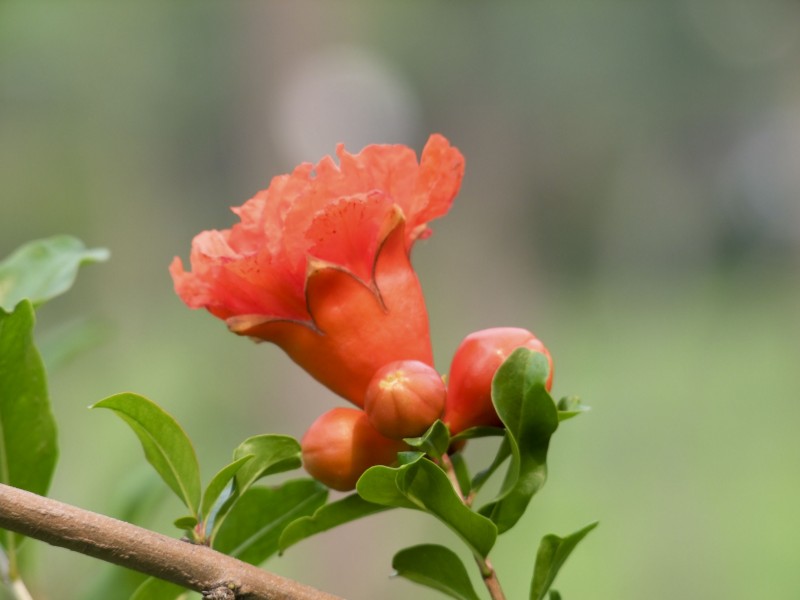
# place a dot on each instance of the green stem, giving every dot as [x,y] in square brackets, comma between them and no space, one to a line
[488,574]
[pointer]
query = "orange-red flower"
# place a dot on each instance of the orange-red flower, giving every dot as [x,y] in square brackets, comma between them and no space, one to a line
[319,263]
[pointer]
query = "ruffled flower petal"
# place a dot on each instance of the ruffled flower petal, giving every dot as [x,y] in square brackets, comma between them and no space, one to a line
[319,262]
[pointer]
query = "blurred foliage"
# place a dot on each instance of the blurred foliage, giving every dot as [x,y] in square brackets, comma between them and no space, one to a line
[631,196]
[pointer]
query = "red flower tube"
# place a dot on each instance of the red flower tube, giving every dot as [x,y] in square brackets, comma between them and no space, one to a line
[320,266]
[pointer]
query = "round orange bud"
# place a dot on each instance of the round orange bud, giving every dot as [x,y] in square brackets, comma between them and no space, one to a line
[469,396]
[341,444]
[404,398]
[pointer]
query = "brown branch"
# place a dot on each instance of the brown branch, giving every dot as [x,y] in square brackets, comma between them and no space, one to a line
[195,567]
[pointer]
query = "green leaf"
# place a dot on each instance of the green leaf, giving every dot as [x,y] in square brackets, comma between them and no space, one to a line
[158,589]
[430,489]
[185,523]
[43,269]
[503,452]
[424,486]
[433,442]
[554,595]
[62,344]
[462,473]
[271,454]
[436,567]
[570,406]
[166,445]
[28,445]
[218,483]
[530,416]
[478,432]
[407,457]
[28,451]
[553,551]
[254,525]
[327,517]
[379,485]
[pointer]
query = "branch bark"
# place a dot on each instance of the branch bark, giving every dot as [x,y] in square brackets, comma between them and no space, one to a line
[196,567]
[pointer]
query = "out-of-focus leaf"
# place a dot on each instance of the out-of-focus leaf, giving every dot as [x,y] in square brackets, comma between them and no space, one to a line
[158,589]
[28,445]
[166,445]
[570,406]
[554,595]
[218,483]
[424,486]
[271,454]
[44,269]
[553,551]
[433,442]
[327,517]
[254,525]
[59,346]
[530,416]
[436,567]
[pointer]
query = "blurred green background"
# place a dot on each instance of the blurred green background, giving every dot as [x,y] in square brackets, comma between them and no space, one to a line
[632,195]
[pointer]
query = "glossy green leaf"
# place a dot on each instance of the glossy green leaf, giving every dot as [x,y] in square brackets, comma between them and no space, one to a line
[427,486]
[271,454]
[28,441]
[530,416]
[570,406]
[153,588]
[408,456]
[254,525]
[378,485]
[43,269]
[433,442]
[553,551]
[461,472]
[478,432]
[349,508]
[185,523]
[503,452]
[436,567]
[166,445]
[424,486]
[218,483]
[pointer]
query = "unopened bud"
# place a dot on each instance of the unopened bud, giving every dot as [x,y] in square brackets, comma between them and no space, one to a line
[341,444]
[404,398]
[469,396]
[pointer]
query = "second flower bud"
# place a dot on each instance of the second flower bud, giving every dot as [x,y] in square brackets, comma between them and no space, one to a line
[404,398]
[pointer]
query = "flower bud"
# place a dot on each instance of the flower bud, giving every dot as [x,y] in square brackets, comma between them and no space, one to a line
[404,398]
[341,444]
[469,396]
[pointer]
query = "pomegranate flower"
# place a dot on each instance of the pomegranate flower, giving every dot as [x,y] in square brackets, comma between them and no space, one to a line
[320,262]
